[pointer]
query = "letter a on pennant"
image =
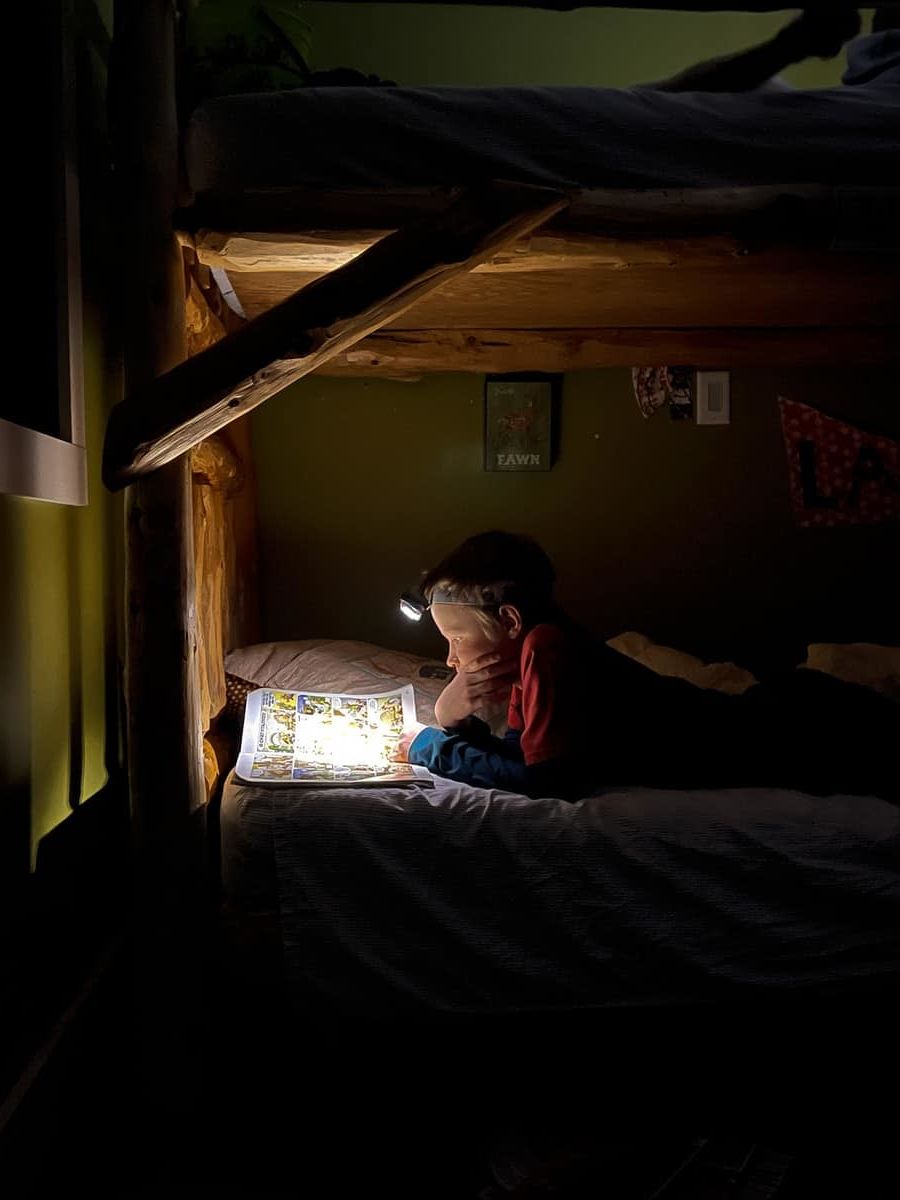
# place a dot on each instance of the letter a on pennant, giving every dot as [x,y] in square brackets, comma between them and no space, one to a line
[838,474]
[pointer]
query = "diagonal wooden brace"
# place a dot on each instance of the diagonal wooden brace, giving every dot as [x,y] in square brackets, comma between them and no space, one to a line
[201,395]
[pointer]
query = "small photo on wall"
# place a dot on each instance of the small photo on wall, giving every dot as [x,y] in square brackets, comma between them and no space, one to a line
[519,421]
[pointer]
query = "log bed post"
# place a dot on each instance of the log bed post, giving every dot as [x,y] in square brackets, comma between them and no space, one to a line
[163,735]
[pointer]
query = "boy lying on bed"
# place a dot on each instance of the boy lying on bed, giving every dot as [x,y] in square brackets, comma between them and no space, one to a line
[583,717]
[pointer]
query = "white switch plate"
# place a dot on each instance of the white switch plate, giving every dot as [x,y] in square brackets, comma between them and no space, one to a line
[713,397]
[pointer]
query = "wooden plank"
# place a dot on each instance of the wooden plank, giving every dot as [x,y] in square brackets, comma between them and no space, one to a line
[321,251]
[242,613]
[207,316]
[225,462]
[610,228]
[775,288]
[208,505]
[205,393]
[399,354]
[750,293]
[219,480]
[224,513]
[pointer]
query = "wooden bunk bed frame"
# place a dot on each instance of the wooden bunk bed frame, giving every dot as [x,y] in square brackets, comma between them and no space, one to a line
[502,278]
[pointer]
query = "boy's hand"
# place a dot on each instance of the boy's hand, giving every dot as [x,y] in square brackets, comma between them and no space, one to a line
[409,735]
[484,680]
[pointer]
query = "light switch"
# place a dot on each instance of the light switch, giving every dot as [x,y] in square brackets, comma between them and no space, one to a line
[713,397]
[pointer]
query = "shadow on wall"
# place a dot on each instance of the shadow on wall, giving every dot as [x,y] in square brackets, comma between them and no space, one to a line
[680,532]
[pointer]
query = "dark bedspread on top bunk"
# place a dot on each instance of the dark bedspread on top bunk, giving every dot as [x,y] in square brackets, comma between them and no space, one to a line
[555,136]
[459,900]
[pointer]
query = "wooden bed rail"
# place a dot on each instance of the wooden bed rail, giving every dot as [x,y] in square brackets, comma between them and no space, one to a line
[205,393]
[320,230]
[787,275]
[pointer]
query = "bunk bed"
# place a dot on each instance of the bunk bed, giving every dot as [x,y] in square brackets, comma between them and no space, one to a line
[353,269]
[401,230]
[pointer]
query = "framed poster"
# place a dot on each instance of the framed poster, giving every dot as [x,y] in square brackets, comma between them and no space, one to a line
[520,422]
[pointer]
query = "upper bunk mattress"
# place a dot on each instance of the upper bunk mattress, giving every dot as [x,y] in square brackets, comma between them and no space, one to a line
[359,137]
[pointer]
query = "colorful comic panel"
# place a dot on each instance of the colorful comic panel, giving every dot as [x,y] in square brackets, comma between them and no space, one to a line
[272,766]
[349,774]
[390,714]
[315,737]
[276,723]
[354,708]
[276,732]
[283,701]
[315,772]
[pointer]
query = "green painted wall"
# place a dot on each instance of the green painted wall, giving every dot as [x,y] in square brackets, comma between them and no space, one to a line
[679,531]
[682,532]
[57,634]
[59,590]
[447,44]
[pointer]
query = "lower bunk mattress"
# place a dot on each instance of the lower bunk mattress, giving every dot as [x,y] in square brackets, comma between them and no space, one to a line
[451,899]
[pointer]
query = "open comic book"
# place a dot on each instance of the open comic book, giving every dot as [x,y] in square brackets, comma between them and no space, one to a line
[323,739]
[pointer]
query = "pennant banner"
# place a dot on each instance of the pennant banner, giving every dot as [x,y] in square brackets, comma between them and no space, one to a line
[838,474]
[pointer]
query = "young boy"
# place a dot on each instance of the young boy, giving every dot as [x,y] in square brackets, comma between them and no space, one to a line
[573,704]
[582,716]
[492,601]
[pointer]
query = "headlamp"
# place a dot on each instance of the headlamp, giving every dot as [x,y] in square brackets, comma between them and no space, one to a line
[413,605]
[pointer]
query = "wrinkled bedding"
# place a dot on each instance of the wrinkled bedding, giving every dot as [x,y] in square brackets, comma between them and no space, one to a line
[555,136]
[459,900]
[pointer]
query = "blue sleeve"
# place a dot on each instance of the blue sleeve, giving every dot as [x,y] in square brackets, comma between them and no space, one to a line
[477,758]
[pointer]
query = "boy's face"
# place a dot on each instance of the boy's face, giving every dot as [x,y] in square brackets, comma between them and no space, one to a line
[468,637]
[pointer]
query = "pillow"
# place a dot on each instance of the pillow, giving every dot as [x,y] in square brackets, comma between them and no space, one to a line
[333,665]
[720,677]
[876,667]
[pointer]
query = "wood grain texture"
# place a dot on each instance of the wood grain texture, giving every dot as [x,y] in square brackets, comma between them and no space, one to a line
[790,288]
[320,252]
[242,621]
[610,228]
[765,260]
[162,701]
[164,737]
[210,556]
[217,477]
[205,393]
[409,354]
[224,514]
[207,316]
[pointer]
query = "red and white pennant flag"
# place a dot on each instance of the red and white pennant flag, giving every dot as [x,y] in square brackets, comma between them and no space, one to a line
[838,475]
